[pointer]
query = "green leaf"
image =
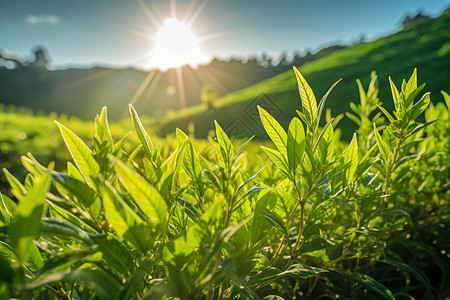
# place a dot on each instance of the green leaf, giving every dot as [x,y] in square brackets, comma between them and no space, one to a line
[323,181]
[297,270]
[314,244]
[295,143]
[324,99]
[135,280]
[309,102]
[248,180]
[369,283]
[152,173]
[81,155]
[118,146]
[102,135]
[115,254]
[7,209]
[265,204]
[242,147]
[26,222]
[62,261]
[225,147]
[118,213]
[141,133]
[191,160]
[74,172]
[411,86]
[99,281]
[32,165]
[177,252]
[274,130]
[416,272]
[84,195]
[278,159]
[319,138]
[395,95]
[419,107]
[190,209]
[302,271]
[387,114]
[64,230]
[409,101]
[276,222]
[170,170]
[382,145]
[326,145]
[240,284]
[446,98]
[362,94]
[211,177]
[144,194]
[351,156]
[17,188]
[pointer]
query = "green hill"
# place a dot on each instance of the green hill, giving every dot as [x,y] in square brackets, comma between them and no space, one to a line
[424,45]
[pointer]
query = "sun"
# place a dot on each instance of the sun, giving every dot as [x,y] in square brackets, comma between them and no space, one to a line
[175,45]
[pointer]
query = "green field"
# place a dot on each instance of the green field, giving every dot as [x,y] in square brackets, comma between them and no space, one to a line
[425,47]
[305,215]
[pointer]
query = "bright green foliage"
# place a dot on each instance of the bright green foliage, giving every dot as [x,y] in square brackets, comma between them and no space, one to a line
[313,217]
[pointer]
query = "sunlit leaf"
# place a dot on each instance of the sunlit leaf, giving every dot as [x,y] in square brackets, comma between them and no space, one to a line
[274,130]
[141,133]
[295,143]
[225,147]
[26,222]
[382,145]
[395,95]
[309,102]
[278,159]
[146,196]
[351,155]
[81,155]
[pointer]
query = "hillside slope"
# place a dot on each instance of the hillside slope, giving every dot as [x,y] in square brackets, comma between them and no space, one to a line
[425,46]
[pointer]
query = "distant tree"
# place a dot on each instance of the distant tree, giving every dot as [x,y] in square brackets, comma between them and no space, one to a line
[284,59]
[41,60]
[265,60]
[415,22]
[362,38]
[208,95]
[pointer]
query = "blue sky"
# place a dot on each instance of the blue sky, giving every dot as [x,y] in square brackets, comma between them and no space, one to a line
[118,33]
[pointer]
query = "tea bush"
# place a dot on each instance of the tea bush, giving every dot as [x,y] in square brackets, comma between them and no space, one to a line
[319,219]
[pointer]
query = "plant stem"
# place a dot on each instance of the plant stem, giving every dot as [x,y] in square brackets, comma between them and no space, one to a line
[389,171]
[296,247]
[283,240]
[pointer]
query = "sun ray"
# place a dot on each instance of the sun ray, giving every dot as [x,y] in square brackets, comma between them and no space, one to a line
[206,76]
[143,86]
[173,8]
[196,13]
[181,92]
[149,14]
[217,35]
[144,57]
[96,75]
[137,32]
[153,86]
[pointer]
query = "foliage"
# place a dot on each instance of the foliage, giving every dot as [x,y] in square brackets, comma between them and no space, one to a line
[322,218]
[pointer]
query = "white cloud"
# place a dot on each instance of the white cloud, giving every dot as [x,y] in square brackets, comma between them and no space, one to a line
[42,19]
